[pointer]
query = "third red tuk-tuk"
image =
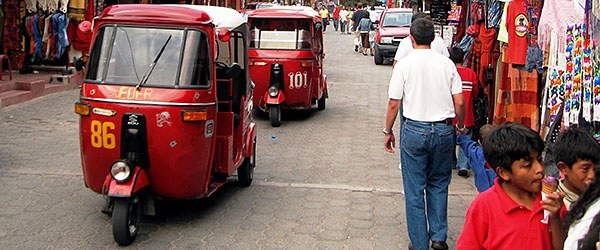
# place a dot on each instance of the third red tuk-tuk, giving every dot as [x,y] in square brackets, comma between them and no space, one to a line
[286,59]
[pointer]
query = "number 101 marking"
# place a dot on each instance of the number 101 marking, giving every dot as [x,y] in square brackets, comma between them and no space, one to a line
[298,80]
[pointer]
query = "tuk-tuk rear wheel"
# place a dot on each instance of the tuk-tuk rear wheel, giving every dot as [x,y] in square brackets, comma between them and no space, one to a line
[246,170]
[321,103]
[126,219]
[275,115]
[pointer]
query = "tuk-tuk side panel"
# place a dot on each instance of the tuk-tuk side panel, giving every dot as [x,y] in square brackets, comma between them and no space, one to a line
[299,81]
[177,150]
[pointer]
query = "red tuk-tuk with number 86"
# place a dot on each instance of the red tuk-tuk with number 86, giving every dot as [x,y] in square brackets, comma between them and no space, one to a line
[165,108]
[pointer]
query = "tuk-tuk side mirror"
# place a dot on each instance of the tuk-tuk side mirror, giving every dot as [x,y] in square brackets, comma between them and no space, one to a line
[318,26]
[234,70]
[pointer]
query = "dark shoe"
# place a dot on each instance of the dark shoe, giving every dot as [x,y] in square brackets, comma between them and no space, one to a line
[364,54]
[463,172]
[439,245]
[356,48]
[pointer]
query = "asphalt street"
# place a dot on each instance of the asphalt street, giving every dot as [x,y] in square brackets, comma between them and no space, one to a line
[323,179]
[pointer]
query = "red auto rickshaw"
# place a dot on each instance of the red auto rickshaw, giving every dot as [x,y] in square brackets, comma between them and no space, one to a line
[286,59]
[166,108]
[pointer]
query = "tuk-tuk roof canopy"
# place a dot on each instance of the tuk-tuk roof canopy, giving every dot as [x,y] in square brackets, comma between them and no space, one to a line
[180,13]
[285,12]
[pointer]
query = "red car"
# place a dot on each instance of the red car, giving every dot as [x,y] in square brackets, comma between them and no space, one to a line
[394,25]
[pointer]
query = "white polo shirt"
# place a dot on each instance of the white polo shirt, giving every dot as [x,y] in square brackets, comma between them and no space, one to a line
[406,47]
[425,83]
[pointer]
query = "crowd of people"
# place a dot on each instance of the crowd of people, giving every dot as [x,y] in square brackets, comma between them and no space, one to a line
[517,206]
[358,20]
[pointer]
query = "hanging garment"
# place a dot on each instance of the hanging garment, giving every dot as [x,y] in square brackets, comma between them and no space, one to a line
[556,15]
[59,24]
[12,19]
[77,9]
[503,33]
[493,13]
[52,5]
[31,5]
[517,25]
[43,4]
[524,93]
[503,105]
[37,37]
[63,6]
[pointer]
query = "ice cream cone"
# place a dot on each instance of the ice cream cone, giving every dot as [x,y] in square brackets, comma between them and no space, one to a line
[549,185]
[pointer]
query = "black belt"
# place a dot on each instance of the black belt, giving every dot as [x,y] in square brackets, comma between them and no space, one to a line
[448,122]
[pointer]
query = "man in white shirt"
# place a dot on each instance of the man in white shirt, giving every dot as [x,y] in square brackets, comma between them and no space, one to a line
[405,45]
[430,90]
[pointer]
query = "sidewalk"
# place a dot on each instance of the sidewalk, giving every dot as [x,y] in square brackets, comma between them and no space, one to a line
[24,87]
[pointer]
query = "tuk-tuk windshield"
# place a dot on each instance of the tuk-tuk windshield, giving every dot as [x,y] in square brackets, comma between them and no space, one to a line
[125,54]
[280,34]
[397,19]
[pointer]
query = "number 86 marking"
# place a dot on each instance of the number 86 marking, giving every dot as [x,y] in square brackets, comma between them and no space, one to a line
[101,138]
[298,80]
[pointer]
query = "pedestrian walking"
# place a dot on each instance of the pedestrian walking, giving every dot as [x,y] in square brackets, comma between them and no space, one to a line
[343,17]
[349,17]
[356,17]
[364,27]
[335,17]
[430,90]
[470,86]
[324,13]
[405,45]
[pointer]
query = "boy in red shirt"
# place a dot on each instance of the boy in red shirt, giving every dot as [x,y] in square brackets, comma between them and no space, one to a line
[508,215]
[469,88]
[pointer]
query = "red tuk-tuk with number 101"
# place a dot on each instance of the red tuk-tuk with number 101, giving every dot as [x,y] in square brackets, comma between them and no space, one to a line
[165,108]
[286,59]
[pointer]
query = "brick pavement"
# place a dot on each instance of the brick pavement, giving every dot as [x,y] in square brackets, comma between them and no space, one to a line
[323,180]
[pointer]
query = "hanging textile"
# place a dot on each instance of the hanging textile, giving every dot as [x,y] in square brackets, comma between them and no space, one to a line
[517,25]
[31,5]
[574,75]
[555,16]
[59,31]
[77,9]
[524,94]
[502,32]
[52,5]
[493,13]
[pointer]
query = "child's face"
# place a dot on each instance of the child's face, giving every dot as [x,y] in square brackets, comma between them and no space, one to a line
[527,174]
[578,176]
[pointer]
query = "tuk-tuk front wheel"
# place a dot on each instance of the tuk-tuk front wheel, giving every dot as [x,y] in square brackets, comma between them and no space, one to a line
[275,115]
[126,219]
[246,170]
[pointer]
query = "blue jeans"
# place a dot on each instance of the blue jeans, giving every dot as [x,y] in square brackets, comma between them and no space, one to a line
[463,162]
[426,156]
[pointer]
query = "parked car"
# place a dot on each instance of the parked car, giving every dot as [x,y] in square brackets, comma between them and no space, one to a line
[394,25]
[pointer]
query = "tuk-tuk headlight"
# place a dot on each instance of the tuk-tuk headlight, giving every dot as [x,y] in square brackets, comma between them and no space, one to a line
[386,39]
[273,91]
[120,171]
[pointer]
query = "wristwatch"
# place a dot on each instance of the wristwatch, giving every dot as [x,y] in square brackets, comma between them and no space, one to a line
[388,133]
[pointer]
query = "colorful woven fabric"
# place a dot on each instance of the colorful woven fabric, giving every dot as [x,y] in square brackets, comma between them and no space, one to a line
[493,14]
